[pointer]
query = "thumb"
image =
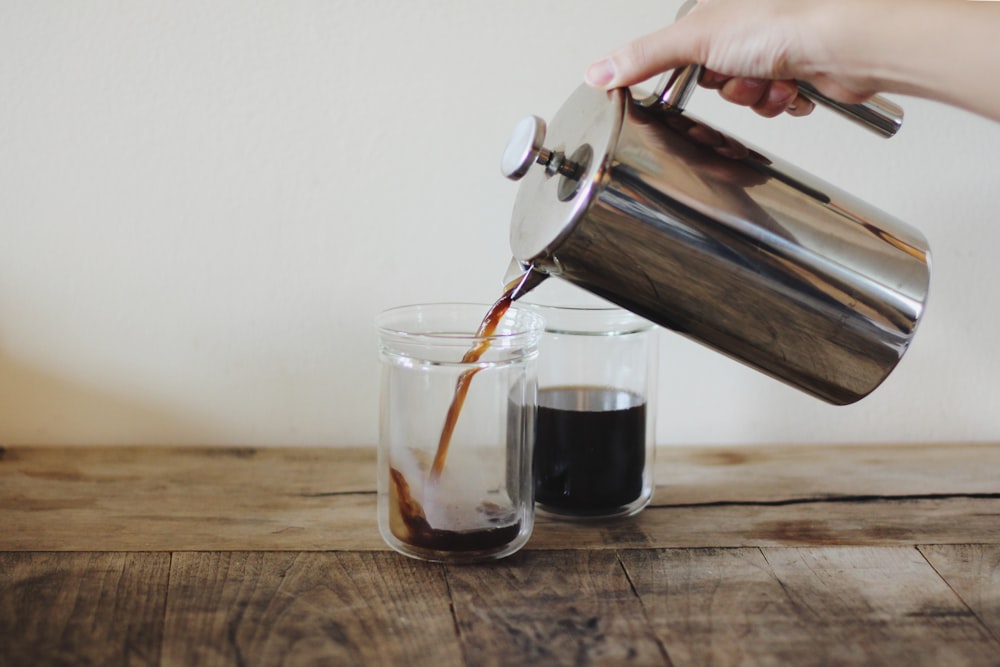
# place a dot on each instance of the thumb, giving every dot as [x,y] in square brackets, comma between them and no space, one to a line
[658,52]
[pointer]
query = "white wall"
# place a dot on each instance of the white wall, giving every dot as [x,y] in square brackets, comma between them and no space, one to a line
[204,204]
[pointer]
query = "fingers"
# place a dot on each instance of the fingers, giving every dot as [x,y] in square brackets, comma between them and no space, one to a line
[747,92]
[669,48]
[767,98]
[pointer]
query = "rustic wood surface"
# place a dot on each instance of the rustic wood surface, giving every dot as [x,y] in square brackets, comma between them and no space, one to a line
[780,555]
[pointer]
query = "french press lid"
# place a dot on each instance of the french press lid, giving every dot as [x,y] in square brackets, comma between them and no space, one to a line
[560,166]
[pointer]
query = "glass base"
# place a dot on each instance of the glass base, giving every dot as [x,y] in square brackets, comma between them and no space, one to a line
[495,546]
[598,514]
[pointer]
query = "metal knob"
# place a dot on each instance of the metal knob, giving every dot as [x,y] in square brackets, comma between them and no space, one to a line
[526,147]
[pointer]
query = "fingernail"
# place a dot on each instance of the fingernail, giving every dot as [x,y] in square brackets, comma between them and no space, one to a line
[754,83]
[601,73]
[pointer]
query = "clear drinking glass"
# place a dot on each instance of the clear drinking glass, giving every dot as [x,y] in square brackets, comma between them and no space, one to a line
[467,497]
[596,420]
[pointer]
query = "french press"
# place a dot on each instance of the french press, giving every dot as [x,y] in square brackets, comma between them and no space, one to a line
[639,202]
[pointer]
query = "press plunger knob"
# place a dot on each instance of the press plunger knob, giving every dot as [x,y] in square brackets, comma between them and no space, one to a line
[524,148]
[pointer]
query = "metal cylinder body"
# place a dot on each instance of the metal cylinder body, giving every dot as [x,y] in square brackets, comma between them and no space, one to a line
[701,234]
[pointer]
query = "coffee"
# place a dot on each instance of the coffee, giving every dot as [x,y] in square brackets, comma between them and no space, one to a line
[590,449]
[409,523]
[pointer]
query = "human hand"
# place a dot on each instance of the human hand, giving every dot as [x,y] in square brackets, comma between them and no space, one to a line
[752,53]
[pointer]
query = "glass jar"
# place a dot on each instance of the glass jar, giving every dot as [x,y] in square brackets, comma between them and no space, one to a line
[454,475]
[596,422]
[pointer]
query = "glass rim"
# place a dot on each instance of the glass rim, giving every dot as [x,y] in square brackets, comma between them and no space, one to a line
[533,323]
[590,319]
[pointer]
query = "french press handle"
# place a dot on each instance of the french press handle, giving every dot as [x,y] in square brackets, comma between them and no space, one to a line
[877,113]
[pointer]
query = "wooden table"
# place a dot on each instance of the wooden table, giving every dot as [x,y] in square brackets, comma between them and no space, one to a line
[783,555]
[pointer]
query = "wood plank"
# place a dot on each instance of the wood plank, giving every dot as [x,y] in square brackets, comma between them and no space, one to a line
[294,471]
[307,608]
[769,473]
[185,498]
[973,572]
[686,475]
[816,606]
[875,522]
[556,608]
[348,523]
[82,608]
[714,606]
[299,499]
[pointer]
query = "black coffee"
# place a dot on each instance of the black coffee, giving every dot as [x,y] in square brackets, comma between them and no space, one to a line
[590,449]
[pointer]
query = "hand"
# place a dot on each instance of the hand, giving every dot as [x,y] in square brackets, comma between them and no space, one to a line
[752,52]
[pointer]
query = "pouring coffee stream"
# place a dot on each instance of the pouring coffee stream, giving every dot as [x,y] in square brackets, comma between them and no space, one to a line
[513,291]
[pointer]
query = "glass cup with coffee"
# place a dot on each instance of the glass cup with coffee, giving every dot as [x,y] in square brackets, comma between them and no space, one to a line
[456,429]
[596,424]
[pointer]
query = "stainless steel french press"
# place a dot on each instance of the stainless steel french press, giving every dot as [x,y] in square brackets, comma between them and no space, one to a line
[639,202]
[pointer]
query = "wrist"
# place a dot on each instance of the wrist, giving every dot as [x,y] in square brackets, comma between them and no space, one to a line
[850,53]
[870,46]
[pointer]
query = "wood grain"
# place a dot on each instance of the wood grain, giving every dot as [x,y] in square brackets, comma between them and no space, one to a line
[867,522]
[295,499]
[973,572]
[186,498]
[554,608]
[349,524]
[775,473]
[238,608]
[82,608]
[816,606]
[763,555]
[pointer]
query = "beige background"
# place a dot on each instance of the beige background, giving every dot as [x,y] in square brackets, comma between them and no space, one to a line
[203,205]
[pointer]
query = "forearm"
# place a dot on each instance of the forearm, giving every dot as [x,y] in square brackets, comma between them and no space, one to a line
[946,50]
